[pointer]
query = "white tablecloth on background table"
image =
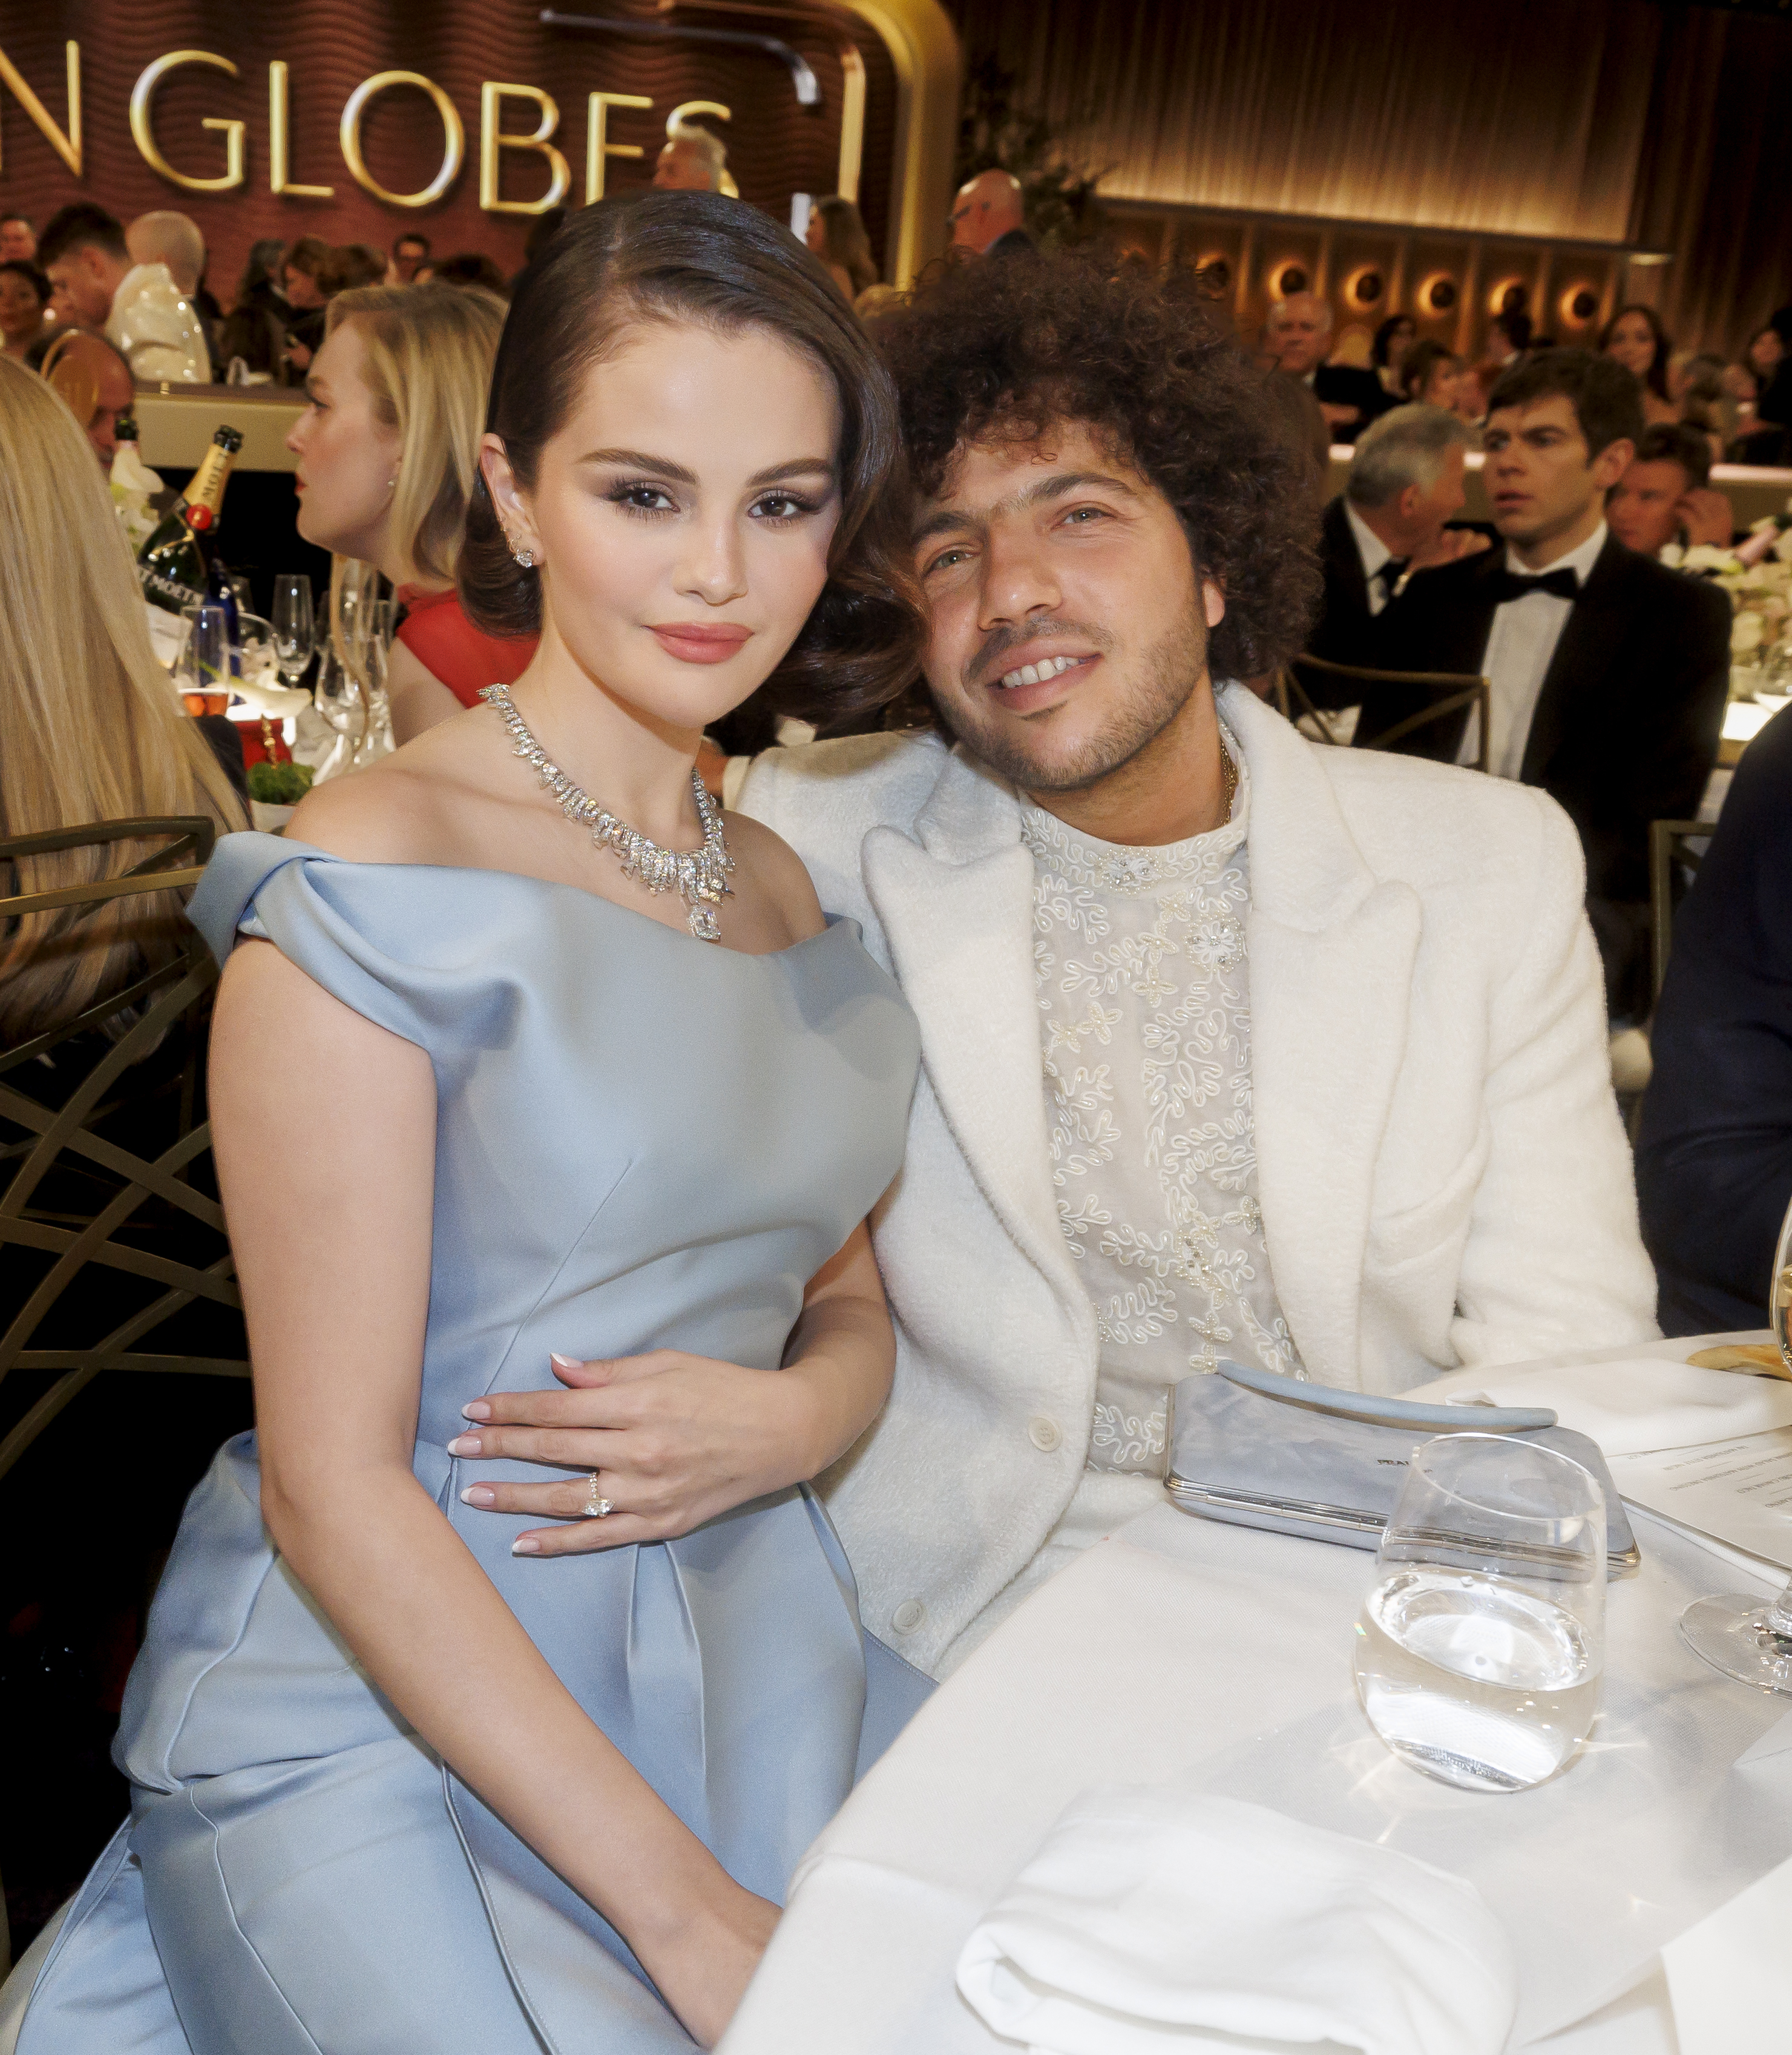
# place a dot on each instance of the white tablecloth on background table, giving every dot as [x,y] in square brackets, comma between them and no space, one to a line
[1218,1658]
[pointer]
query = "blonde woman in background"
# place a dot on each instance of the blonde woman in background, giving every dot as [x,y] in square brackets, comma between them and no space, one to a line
[93,731]
[838,236]
[387,450]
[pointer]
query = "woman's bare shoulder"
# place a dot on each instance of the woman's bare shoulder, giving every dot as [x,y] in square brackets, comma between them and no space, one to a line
[410,807]
[779,872]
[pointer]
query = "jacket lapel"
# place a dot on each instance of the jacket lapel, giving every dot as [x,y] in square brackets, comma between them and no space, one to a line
[1587,647]
[1332,955]
[955,902]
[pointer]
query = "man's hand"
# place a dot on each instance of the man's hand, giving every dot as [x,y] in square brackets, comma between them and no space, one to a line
[674,1439]
[1451,546]
[1705,516]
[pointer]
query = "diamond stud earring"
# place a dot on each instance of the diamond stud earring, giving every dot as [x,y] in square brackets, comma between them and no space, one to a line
[526,558]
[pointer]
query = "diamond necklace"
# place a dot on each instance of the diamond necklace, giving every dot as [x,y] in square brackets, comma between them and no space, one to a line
[699,876]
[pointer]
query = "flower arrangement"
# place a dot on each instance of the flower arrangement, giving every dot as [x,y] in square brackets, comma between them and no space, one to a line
[1757,576]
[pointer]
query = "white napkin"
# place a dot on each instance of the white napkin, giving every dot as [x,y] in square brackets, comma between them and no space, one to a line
[1727,1975]
[1153,1921]
[1632,1409]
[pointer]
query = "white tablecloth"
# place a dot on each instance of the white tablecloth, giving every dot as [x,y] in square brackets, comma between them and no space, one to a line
[1218,1658]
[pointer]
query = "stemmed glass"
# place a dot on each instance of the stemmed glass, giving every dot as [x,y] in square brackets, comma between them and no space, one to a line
[295,629]
[1481,1649]
[338,693]
[374,618]
[1743,1637]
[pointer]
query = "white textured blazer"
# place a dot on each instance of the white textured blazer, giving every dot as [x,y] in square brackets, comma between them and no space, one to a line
[1443,1178]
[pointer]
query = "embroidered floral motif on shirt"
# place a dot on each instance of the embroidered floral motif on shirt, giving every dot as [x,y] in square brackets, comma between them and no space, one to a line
[1140,966]
[1127,1440]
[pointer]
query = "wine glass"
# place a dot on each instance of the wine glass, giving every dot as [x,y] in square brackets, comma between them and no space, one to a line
[1749,1639]
[353,621]
[373,620]
[337,692]
[295,629]
[1481,1649]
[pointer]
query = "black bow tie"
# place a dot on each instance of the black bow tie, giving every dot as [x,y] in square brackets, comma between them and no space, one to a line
[1561,584]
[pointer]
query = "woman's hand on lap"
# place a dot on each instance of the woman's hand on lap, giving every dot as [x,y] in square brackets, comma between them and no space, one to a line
[676,1439]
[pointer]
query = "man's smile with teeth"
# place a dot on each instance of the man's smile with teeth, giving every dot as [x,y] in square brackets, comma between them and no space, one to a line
[1033,674]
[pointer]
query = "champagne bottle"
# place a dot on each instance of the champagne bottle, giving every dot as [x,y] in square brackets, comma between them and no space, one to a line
[171,566]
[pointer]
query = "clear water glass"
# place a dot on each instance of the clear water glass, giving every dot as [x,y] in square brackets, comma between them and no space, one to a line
[204,672]
[1741,1636]
[1480,1651]
[295,629]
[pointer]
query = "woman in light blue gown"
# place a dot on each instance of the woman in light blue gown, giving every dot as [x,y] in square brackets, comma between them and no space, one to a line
[494,1078]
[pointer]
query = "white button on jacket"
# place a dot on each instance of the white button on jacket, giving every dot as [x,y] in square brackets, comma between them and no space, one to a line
[1044,1434]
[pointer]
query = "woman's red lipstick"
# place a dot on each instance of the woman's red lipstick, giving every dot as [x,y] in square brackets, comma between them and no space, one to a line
[700,641]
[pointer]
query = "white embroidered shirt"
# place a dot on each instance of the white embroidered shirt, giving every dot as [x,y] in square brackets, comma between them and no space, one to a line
[1144,1001]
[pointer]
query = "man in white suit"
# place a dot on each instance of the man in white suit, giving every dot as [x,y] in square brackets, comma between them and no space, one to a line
[1233,1045]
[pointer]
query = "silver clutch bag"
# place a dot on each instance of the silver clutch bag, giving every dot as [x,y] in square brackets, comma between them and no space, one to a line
[1260,1450]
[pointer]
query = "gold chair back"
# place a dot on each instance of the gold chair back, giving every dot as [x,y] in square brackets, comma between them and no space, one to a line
[1454,690]
[72,1189]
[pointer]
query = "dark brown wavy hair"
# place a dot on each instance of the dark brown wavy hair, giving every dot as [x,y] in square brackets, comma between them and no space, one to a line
[1015,349]
[701,257]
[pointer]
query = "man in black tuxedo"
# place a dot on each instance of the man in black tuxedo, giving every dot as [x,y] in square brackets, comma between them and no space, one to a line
[1714,1161]
[1298,333]
[1609,672]
[1388,523]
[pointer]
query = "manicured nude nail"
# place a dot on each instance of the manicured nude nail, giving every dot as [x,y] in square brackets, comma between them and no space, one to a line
[464,1445]
[565,1362]
[476,1409]
[478,1494]
[526,1545]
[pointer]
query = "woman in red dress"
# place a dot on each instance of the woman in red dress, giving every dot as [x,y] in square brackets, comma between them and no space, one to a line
[387,450]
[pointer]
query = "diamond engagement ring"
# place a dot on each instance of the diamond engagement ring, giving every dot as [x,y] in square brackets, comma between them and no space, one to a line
[596,1506]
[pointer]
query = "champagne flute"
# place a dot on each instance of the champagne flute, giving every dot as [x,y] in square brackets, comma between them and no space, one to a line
[338,693]
[1746,1638]
[366,627]
[295,629]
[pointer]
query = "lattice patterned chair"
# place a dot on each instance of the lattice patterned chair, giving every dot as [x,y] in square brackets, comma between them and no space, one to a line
[113,1255]
[1294,694]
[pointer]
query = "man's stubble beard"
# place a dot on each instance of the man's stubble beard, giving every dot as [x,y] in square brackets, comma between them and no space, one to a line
[1172,671]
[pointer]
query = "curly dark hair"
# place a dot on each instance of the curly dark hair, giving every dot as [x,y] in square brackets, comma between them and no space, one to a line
[1006,349]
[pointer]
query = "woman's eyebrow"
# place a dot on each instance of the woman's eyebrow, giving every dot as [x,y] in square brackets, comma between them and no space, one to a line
[798,467]
[660,467]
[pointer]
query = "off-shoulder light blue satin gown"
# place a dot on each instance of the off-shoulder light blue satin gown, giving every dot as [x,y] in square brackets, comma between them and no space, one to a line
[642,1141]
